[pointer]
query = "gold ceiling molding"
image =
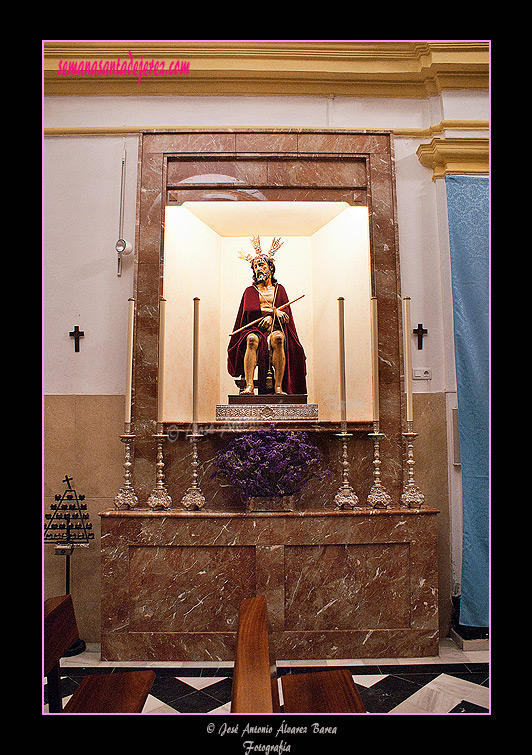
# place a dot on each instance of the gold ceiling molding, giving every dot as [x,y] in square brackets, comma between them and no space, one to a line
[369,69]
[406,133]
[455,155]
[441,127]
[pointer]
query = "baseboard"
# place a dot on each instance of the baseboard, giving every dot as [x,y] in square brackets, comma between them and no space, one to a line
[481,644]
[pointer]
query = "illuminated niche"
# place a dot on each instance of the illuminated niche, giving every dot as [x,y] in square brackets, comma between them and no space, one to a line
[325,255]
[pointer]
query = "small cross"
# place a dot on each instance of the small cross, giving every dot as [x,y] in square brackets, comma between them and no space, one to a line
[77,334]
[420,331]
[68,481]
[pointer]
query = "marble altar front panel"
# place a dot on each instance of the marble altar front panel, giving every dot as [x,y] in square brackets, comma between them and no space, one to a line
[338,584]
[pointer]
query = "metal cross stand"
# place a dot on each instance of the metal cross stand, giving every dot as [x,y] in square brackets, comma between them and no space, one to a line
[412,497]
[159,497]
[126,498]
[67,526]
[194,498]
[378,498]
[345,498]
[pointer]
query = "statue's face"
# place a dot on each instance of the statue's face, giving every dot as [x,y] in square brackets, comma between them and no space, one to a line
[261,269]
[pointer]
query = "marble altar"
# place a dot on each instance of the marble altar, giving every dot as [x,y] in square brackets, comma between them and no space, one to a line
[339,584]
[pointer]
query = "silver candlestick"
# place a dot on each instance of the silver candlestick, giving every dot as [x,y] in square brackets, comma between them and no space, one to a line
[126,497]
[412,497]
[194,498]
[378,498]
[159,498]
[345,498]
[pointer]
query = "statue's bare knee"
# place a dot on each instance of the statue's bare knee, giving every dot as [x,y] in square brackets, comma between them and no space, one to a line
[250,361]
[252,341]
[277,341]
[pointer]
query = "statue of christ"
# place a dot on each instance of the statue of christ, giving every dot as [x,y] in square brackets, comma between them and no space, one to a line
[266,335]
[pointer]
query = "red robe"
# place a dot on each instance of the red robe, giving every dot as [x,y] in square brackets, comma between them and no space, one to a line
[294,380]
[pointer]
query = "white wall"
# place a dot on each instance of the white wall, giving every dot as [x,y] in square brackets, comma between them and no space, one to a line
[81,201]
[417,218]
[341,268]
[191,269]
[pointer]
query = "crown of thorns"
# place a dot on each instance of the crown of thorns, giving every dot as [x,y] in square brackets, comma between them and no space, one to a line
[255,242]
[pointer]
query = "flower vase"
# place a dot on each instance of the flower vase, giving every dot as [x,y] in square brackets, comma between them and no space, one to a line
[269,503]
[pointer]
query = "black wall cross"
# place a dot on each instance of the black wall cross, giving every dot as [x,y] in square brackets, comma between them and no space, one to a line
[76,334]
[420,331]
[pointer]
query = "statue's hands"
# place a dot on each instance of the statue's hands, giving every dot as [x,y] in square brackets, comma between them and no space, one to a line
[282,316]
[266,322]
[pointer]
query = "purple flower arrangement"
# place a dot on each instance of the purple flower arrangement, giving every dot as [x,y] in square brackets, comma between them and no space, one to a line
[268,463]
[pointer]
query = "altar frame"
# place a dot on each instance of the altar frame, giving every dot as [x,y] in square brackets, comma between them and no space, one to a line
[189,165]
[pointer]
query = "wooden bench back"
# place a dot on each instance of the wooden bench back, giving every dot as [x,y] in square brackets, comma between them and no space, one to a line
[255,687]
[112,692]
[60,630]
[254,677]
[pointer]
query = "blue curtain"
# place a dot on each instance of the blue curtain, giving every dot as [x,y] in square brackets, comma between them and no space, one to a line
[468,210]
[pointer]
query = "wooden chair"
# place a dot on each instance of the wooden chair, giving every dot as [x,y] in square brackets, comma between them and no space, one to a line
[255,687]
[113,692]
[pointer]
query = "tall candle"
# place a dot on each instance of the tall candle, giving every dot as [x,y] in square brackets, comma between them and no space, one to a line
[129,358]
[341,335]
[375,357]
[408,359]
[195,365]
[160,376]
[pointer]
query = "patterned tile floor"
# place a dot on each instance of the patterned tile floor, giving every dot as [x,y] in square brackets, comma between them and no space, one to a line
[457,681]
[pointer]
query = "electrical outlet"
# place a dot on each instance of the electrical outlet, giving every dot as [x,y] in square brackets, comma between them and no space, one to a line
[422,373]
